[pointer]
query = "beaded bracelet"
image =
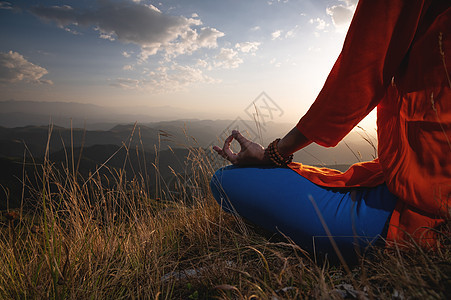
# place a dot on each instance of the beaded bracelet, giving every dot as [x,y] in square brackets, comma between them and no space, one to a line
[273,154]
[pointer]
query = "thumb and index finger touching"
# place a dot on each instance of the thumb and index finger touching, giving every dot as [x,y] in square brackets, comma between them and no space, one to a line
[226,152]
[239,137]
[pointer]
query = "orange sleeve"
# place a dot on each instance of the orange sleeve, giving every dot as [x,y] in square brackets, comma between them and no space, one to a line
[378,39]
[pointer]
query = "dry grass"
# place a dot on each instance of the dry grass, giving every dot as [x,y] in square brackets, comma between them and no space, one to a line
[85,239]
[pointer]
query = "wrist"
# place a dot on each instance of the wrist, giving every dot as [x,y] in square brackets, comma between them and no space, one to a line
[273,155]
[292,142]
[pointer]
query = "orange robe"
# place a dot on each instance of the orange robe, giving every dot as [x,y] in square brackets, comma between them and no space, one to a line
[396,56]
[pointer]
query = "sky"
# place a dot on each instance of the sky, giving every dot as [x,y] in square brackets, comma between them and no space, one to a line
[211,58]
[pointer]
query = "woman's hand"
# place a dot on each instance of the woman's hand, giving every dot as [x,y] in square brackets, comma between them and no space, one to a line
[250,154]
[254,154]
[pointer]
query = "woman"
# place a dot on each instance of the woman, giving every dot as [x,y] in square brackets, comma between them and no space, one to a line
[394,57]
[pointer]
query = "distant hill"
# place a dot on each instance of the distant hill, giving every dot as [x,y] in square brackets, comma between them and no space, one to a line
[175,134]
[105,161]
[81,115]
[27,121]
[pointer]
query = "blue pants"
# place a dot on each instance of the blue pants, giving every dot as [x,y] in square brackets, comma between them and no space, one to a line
[280,200]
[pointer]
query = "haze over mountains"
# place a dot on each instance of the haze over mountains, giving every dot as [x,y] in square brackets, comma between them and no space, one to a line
[93,125]
[89,116]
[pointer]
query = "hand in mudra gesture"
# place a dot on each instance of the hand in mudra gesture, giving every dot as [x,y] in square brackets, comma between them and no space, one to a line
[254,154]
[250,154]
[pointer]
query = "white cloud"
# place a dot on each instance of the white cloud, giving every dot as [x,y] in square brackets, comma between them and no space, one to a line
[207,37]
[203,64]
[73,31]
[320,23]
[126,54]
[228,59]
[127,68]
[188,42]
[276,34]
[5,5]
[342,14]
[255,28]
[271,2]
[107,36]
[351,2]
[166,79]
[178,76]
[153,7]
[247,47]
[137,23]
[14,68]
[290,33]
[126,83]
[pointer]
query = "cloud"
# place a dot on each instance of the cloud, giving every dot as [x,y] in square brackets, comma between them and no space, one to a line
[351,2]
[271,2]
[247,47]
[203,64]
[126,83]
[127,68]
[288,34]
[342,14]
[14,68]
[165,79]
[5,5]
[320,23]
[291,33]
[276,34]
[228,59]
[177,77]
[137,23]
[73,31]
[187,42]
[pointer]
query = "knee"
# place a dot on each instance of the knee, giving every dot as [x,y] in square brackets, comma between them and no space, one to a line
[223,187]
[216,186]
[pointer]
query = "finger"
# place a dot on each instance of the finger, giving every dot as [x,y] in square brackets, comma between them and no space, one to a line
[227,152]
[221,151]
[239,137]
[227,143]
[217,149]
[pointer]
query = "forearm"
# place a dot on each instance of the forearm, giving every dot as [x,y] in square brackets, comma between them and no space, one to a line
[373,50]
[292,142]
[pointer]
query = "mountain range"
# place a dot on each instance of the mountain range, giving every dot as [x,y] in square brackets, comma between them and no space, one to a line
[28,134]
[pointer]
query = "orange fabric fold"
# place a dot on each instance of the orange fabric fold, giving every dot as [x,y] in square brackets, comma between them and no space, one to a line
[368,174]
